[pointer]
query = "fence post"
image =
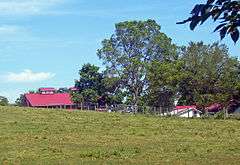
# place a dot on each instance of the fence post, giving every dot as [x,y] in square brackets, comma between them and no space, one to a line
[225,113]
[106,106]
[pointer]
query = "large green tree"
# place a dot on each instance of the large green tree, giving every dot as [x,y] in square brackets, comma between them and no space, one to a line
[164,78]
[113,93]
[95,87]
[213,75]
[130,49]
[226,11]
[203,74]
[90,84]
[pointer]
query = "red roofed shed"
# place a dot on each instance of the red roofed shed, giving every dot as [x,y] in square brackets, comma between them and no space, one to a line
[180,108]
[55,100]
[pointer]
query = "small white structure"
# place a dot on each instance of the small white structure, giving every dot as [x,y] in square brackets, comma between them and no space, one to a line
[186,111]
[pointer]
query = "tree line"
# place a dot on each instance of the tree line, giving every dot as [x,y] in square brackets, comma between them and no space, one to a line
[143,67]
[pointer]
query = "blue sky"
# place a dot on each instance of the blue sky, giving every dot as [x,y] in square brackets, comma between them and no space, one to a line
[43,43]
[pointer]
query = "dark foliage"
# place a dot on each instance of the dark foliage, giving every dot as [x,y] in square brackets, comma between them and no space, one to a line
[3,101]
[20,101]
[227,12]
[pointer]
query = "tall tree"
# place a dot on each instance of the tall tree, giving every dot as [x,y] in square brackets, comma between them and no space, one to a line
[164,78]
[113,93]
[90,84]
[127,53]
[90,78]
[226,11]
[202,75]
[212,74]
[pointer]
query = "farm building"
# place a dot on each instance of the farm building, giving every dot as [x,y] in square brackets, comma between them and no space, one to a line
[48,98]
[186,111]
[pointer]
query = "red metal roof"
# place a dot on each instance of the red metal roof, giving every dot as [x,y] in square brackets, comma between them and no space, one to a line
[47,89]
[185,107]
[40,100]
[214,107]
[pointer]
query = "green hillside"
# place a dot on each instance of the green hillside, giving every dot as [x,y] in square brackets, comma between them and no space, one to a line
[30,136]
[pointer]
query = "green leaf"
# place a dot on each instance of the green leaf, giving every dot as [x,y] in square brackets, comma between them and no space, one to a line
[185,21]
[235,35]
[210,2]
[194,23]
[219,27]
[205,17]
[223,32]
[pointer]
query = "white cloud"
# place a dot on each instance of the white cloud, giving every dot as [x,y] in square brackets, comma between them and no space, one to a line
[28,76]
[26,7]
[10,29]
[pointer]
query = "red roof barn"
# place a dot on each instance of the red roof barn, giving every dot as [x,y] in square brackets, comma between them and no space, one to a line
[47,98]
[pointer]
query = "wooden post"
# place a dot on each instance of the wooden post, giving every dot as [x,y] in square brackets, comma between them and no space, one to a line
[225,113]
[106,106]
[206,111]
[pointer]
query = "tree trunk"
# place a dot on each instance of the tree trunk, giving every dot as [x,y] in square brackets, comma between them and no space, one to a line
[135,102]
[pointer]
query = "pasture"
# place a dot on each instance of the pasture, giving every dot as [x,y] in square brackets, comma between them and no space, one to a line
[40,136]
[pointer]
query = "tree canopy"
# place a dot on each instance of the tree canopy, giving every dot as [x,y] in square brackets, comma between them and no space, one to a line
[90,84]
[130,49]
[213,74]
[203,74]
[164,78]
[20,101]
[226,11]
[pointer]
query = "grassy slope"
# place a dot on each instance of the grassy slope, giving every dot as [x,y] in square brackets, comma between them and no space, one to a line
[59,137]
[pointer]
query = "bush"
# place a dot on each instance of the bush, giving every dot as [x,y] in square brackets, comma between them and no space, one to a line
[3,101]
[235,116]
[219,115]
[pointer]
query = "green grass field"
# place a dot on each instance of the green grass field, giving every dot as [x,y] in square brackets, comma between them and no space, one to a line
[31,136]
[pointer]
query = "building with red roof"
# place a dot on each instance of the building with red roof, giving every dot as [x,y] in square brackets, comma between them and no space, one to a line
[186,111]
[48,98]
